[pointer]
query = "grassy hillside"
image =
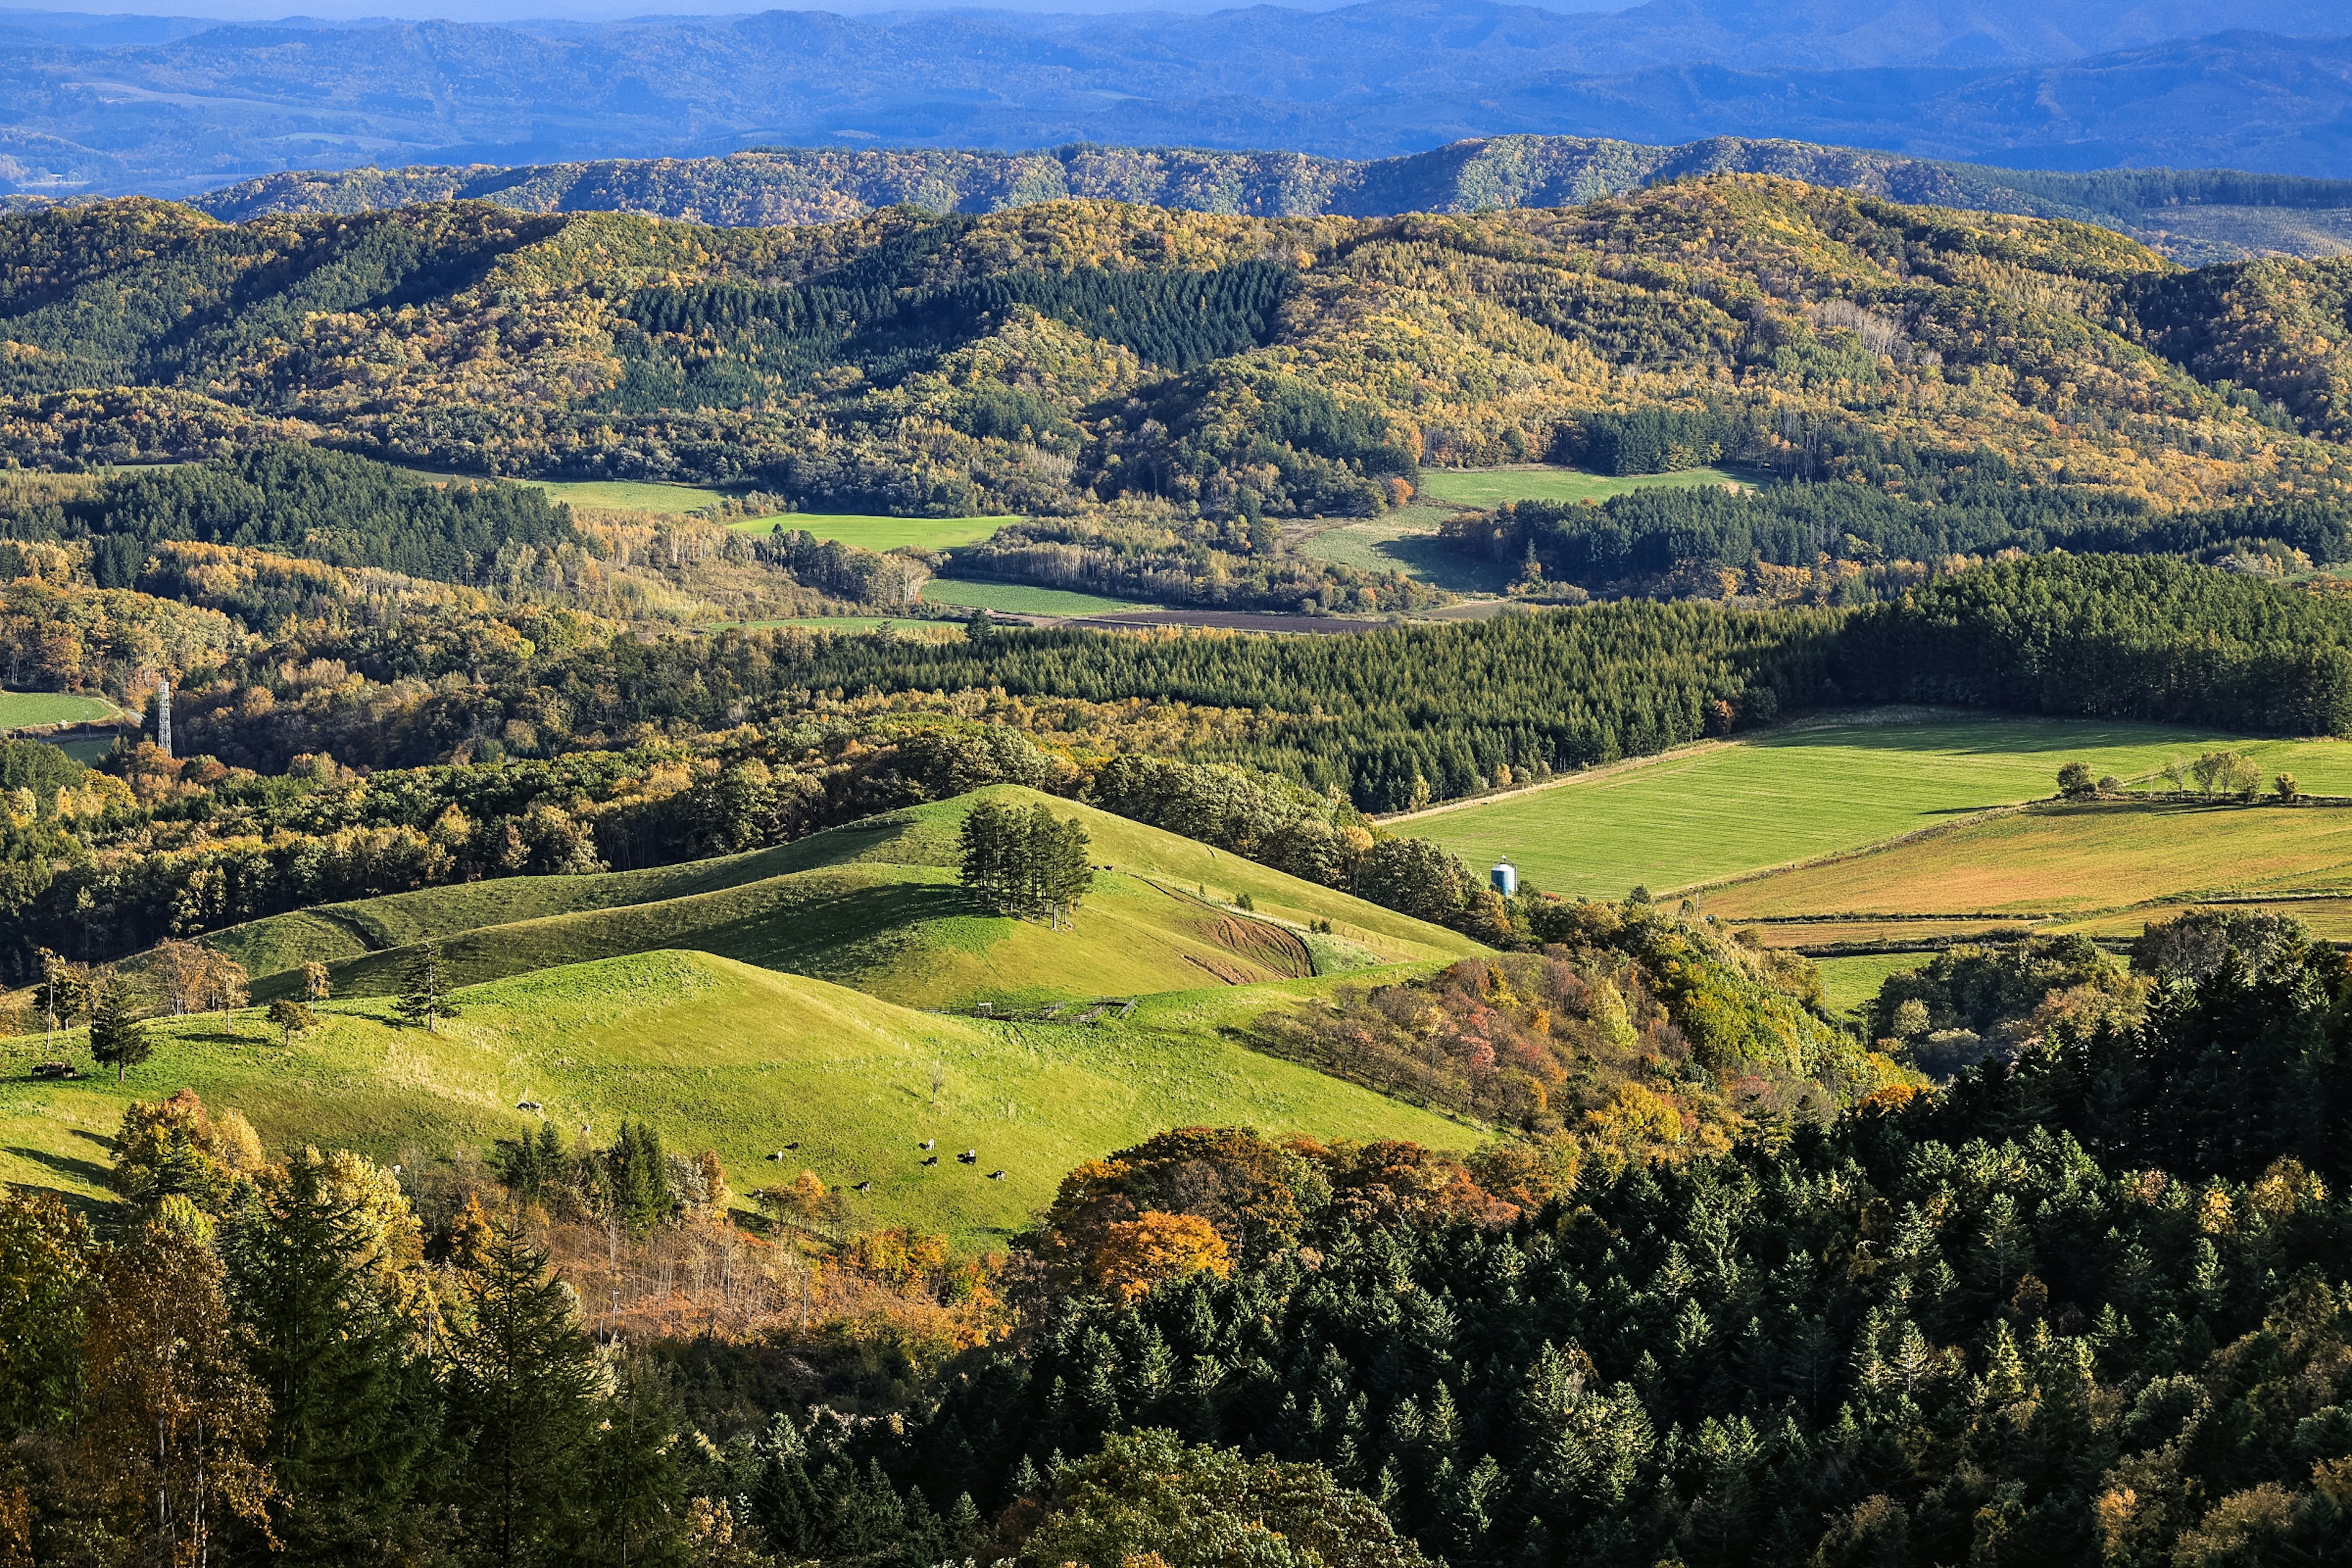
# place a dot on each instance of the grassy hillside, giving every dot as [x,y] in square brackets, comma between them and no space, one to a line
[721,1055]
[873,905]
[868,532]
[1715,811]
[1484,488]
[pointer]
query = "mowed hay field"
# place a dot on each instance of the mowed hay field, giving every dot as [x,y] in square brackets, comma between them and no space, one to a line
[1406,541]
[626,495]
[2069,860]
[877,533]
[1793,794]
[715,1055]
[19,709]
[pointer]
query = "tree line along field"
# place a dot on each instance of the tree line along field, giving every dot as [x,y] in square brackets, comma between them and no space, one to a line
[1718,810]
[715,1054]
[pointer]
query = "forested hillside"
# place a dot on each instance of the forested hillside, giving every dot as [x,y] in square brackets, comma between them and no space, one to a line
[1052,358]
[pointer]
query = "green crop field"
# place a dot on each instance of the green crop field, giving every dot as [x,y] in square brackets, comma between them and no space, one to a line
[870,532]
[1406,541]
[1020,599]
[19,709]
[1484,488]
[873,905]
[1716,811]
[2073,860]
[715,1055]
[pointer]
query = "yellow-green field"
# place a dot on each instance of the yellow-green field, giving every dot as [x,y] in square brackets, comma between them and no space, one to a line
[1484,488]
[1021,599]
[1850,983]
[19,709]
[850,626]
[630,494]
[878,533]
[1793,794]
[1406,541]
[724,1056]
[2072,860]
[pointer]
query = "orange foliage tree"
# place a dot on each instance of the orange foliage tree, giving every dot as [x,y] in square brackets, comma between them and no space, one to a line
[1139,1254]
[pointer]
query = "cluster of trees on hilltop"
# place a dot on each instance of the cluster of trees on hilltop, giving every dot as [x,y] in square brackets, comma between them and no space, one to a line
[2093,1310]
[1672,539]
[1024,863]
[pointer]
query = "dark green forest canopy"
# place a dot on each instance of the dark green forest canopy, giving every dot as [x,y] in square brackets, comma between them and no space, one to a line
[306,502]
[1643,535]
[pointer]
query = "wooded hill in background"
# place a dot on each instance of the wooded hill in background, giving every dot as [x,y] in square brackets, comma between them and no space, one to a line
[1196,371]
[2197,215]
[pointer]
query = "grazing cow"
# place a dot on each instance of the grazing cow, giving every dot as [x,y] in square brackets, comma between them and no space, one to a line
[969,1157]
[996,1175]
[527,1105]
[931,1160]
[928,1144]
[777,1155]
[863,1187]
[791,1145]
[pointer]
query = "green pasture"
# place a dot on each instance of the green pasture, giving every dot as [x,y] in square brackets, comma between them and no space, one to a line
[1406,541]
[1021,599]
[1814,789]
[19,709]
[715,1055]
[1484,488]
[878,533]
[873,905]
[1848,985]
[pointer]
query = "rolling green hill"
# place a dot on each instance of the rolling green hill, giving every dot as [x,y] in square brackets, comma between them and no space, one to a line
[722,1055]
[873,905]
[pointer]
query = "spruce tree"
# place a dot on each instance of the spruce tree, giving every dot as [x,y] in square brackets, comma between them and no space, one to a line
[520,1396]
[352,1414]
[424,996]
[117,1039]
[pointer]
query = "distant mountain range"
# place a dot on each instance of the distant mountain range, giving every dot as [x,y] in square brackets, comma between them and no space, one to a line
[162,106]
[2197,217]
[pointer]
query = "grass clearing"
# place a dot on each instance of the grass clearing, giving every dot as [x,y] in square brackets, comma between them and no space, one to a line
[854,625]
[715,1055]
[1484,488]
[1815,789]
[19,709]
[1406,541]
[629,495]
[1848,985]
[1021,599]
[878,533]
[2069,860]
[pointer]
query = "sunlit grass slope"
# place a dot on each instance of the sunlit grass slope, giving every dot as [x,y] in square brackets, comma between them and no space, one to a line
[875,905]
[1793,794]
[720,1055]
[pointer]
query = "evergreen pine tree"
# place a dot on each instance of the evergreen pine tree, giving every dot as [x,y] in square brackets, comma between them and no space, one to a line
[117,1039]
[424,996]
[521,1404]
[352,1414]
[637,1494]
